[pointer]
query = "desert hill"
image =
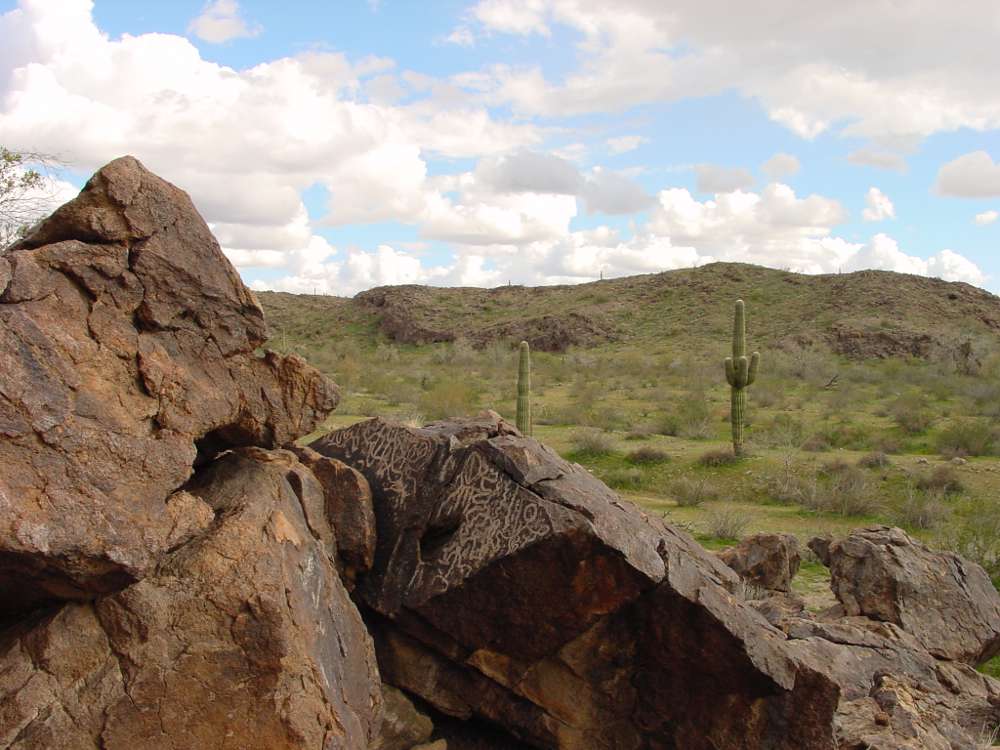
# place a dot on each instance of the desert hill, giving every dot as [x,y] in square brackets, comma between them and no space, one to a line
[862,314]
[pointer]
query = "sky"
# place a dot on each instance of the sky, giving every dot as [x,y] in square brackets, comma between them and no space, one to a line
[339,145]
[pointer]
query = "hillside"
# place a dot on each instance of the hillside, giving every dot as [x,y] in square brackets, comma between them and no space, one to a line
[862,314]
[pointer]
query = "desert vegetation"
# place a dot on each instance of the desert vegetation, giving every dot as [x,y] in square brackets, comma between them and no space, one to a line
[831,442]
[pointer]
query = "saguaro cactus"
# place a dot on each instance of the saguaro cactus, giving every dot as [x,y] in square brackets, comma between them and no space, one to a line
[740,372]
[524,390]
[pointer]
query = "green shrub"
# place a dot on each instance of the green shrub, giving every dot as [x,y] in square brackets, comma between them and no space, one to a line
[629,478]
[968,437]
[911,414]
[448,398]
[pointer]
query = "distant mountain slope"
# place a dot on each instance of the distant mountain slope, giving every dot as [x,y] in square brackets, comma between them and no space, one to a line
[862,314]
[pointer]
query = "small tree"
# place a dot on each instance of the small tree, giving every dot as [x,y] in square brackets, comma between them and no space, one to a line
[24,191]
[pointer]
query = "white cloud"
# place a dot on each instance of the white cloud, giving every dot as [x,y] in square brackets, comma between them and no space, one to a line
[462,36]
[781,165]
[986,218]
[878,206]
[220,21]
[625,143]
[972,175]
[813,66]
[868,157]
[521,17]
[243,143]
[715,179]
[883,253]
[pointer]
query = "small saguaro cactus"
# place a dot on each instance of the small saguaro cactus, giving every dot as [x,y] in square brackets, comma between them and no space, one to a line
[524,390]
[740,372]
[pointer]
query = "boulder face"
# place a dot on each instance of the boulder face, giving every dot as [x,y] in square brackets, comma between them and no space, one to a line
[517,595]
[511,586]
[243,638]
[769,561]
[127,355]
[945,602]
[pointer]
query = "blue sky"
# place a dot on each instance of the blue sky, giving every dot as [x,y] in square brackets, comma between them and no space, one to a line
[335,146]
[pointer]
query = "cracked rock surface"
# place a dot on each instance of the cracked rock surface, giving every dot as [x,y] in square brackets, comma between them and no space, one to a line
[244,639]
[127,355]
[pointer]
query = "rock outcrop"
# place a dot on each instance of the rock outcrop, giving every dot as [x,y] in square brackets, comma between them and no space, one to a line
[156,595]
[766,560]
[243,638]
[512,587]
[127,355]
[946,603]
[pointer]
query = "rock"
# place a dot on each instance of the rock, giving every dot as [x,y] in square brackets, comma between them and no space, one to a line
[348,509]
[766,560]
[959,461]
[243,638]
[894,694]
[510,587]
[403,726]
[127,355]
[945,602]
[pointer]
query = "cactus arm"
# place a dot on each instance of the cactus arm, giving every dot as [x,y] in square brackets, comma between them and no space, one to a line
[730,371]
[754,364]
[524,425]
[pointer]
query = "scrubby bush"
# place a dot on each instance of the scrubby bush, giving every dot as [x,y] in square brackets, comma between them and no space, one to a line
[592,443]
[647,455]
[922,509]
[874,460]
[910,413]
[977,536]
[726,523]
[448,398]
[690,417]
[629,478]
[967,437]
[718,457]
[691,492]
[942,479]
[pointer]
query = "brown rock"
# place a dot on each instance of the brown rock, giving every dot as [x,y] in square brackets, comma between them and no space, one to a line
[945,602]
[515,589]
[403,726]
[348,508]
[242,639]
[766,560]
[126,355]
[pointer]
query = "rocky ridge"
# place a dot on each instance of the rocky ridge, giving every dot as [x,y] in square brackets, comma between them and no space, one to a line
[176,573]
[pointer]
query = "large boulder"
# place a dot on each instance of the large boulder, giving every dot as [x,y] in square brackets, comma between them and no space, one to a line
[242,639]
[510,587]
[947,603]
[127,355]
[769,561]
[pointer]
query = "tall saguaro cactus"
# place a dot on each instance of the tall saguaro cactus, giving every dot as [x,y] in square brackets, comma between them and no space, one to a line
[740,372]
[524,390]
